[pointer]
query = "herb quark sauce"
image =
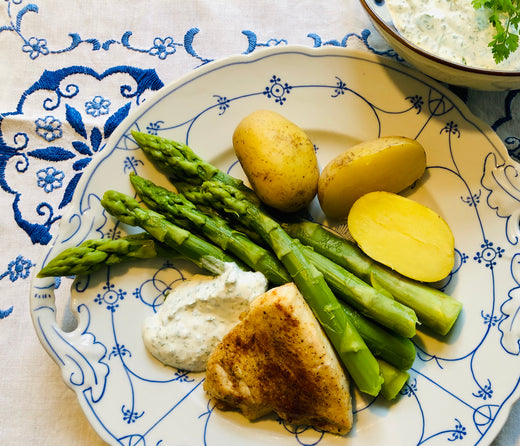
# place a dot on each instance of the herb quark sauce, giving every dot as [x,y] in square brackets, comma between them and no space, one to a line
[196,315]
[451,29]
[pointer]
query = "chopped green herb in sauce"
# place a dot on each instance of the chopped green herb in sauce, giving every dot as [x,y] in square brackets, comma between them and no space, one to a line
[476,33]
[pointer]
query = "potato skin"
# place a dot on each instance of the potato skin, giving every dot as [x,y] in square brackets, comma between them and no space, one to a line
[278,159]
[404,235]
[389,163]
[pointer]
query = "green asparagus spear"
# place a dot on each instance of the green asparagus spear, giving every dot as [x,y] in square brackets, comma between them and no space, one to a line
[174,157]
[394,380]
[384,344]
[365,298]
[180,163]
[352,350]
[434,308]
[92,254]
[179,210]
[198,250]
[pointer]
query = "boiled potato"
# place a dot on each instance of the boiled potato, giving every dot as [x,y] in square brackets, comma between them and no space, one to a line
[278,159]
[390,163]
[403,234]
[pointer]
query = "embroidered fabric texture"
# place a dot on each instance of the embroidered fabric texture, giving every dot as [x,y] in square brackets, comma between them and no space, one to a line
[70,73]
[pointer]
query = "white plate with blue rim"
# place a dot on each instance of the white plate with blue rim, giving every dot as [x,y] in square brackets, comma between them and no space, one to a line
[461,386]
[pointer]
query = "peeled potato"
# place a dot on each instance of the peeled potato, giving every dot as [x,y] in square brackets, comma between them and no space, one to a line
[404,235]
[278,159]
[390,163]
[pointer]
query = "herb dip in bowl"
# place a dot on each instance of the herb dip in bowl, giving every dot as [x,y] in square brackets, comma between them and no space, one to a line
[447,40]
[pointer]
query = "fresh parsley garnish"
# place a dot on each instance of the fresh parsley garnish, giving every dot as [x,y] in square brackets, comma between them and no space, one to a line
[505,17]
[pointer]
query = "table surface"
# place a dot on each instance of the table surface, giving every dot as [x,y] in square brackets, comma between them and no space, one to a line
[42,41]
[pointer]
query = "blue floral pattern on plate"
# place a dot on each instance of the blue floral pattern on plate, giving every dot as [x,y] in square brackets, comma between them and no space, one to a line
[460,388]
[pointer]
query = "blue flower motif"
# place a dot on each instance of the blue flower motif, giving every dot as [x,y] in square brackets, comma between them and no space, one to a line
[183,376]
[489,254]
[35,47]
[110,297]
[49,179]
[162,47]
[485,392]
[417,102]
[113,234]
[130,416]
[277,90]
[19,268]
[472,200]
[49,128]
[154,127]
[223,103]
[409,388]
[131,163]
[341,87]
[458,432]
[452,128]
[97,106]
[119,350]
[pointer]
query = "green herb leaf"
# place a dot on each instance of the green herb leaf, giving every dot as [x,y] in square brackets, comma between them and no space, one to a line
[504,15]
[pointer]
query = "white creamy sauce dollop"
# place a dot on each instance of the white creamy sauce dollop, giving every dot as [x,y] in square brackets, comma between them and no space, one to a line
[451,29]
[196,315]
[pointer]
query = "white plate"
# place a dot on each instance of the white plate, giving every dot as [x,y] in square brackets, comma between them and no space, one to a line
[461,387]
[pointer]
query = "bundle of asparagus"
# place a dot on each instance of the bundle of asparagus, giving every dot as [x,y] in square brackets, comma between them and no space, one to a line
[371,323]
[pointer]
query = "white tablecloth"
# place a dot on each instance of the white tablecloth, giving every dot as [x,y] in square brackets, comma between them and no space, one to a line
[99,47]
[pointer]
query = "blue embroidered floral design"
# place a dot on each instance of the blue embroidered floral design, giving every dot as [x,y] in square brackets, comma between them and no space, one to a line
[35,47]
[365,34]
[19,268]
[23,153]
[97,106]
[162,48]
[85,147]
[50,179]
[49,128]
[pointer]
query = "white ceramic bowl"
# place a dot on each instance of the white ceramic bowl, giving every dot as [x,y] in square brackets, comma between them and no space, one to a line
[434,66]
